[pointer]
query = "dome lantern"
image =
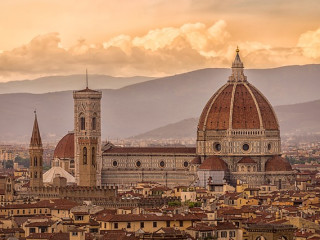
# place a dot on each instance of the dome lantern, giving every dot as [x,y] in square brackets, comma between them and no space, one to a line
[237,70]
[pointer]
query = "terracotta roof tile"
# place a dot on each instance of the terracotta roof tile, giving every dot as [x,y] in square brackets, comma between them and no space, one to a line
[246,160]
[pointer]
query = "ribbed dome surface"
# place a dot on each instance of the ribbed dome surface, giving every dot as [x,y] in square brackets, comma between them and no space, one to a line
[277,163]
[214,163]
[65,147]
[238,105]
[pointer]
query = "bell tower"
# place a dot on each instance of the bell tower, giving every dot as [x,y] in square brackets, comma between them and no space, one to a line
[36,153]
[87,136]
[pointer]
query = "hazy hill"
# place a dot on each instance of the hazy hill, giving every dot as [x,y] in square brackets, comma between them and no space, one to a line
[70,82]
[294,119]
[142,107]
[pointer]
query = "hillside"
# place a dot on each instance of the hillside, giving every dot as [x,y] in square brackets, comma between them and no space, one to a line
[70,82]
[142,107]
[294,119]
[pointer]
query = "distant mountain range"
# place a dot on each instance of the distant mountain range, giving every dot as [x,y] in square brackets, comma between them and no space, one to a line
[296,119]
[141,107]
[70,82]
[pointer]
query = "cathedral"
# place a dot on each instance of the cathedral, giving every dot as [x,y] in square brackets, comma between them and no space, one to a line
[238,140]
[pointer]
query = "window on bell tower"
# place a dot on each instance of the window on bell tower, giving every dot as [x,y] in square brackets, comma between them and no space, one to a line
[94,123]
[93,154]
[35,161]
[85,155]
[82,123]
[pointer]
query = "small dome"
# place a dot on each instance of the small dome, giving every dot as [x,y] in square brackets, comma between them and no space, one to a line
[213,163]
[246,160]
[53,172]
[65,147]
[196,160]
[277,163]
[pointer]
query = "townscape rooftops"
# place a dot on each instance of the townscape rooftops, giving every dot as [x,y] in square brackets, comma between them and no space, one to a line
[146,217]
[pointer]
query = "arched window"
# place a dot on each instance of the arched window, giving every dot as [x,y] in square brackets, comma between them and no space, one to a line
[71,163]
[85,155]
[35,161]
[94,123]
[35,174]
[40,161]
[82,123]
[93,155]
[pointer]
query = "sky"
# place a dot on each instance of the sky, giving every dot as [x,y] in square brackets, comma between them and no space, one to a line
[153,37]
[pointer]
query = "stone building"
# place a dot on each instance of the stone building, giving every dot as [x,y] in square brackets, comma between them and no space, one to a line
[238,139]
[36,156]
[168,166]
[238,133]
[87,137]
[269,231]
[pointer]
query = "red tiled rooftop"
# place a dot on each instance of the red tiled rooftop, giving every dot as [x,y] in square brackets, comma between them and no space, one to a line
[152,150]
[213,163]
[277,163]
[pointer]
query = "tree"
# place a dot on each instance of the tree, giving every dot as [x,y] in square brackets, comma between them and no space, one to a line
[8,164]
[22,161]
[174,203]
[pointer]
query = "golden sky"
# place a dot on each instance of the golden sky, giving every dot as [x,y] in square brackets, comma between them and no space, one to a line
[153,37]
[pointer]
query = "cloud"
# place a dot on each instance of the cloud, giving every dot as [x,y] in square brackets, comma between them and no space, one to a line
[310,43]
[159,52]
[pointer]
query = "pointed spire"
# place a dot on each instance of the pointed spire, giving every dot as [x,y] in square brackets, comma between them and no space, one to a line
[237,69]
[35,138]
[237,61]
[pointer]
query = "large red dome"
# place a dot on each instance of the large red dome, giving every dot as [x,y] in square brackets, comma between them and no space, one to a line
[65,147]
[238,105]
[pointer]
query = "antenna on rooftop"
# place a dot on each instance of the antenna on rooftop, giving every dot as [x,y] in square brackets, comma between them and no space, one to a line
[87,78]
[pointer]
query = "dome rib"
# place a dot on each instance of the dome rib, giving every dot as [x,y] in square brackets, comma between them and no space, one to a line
[232,105]
[269,118]
[257,105]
